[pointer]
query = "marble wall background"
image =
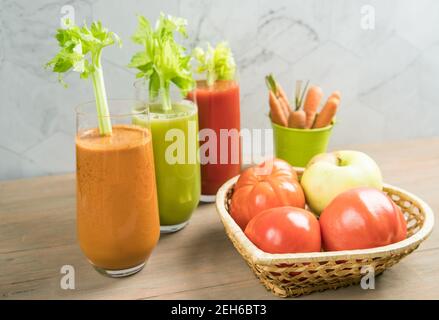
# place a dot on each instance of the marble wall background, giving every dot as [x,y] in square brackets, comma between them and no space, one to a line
[388,76]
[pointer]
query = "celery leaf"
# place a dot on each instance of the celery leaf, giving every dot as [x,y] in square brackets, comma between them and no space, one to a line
[218,63]
[162,61]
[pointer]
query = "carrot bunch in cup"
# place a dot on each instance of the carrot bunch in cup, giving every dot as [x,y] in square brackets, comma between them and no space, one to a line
[306,104]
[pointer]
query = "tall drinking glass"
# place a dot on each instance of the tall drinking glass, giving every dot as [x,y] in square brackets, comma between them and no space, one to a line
[117,209]
[177,166]
[219,119]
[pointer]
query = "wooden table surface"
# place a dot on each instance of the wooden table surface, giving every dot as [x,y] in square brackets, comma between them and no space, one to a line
[38,237]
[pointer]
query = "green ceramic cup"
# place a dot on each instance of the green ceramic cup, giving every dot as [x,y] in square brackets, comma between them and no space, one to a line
[298,146]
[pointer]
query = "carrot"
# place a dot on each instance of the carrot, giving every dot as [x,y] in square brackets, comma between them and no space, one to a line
[276,111]
[336,94]
[324,118]
[312,100]
[297,119]
[284,100]
[279,94]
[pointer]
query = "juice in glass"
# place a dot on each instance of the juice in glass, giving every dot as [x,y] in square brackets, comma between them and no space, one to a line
[117,209]
[177,166]
[219,110]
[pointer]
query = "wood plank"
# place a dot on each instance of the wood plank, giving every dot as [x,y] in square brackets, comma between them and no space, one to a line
[417,277]
[183,261]
[38,236]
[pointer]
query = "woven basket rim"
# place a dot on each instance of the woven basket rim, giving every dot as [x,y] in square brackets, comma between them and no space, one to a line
[258,256]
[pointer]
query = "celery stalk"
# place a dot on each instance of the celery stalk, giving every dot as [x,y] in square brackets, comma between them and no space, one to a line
[210,79]
[166,97]
[104,120]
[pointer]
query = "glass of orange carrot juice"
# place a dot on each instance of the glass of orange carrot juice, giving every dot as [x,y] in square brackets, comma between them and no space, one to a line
[117,212]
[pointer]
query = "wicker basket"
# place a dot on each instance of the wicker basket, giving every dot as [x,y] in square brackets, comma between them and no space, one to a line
[292,275]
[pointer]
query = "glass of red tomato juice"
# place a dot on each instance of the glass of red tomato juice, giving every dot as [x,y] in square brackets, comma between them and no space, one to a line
[219,125]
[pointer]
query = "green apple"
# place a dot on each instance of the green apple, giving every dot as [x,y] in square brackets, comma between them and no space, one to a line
[329,174]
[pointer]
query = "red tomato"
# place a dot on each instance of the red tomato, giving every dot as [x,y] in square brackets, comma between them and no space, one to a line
[285,230]
[361,218]
[270,184]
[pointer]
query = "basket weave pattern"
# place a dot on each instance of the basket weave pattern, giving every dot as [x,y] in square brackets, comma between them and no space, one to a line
[290,275]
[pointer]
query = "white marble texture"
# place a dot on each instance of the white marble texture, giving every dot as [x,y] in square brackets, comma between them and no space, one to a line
[388,76]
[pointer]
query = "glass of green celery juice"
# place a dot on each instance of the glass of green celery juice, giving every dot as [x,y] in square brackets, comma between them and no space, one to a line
[165,78]
[176,160]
